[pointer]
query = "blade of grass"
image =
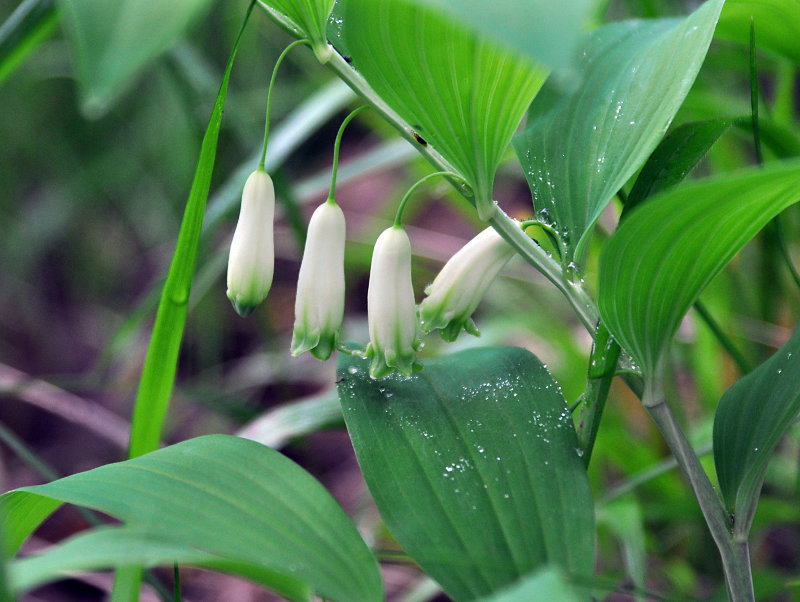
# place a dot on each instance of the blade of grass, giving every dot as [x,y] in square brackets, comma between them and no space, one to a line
[160,365]
[29,25]
[158,374]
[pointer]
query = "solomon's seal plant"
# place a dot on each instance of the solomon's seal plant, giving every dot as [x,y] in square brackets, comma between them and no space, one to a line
[252,256]
[477,464]
[319,306]
[457,290]
[391,312]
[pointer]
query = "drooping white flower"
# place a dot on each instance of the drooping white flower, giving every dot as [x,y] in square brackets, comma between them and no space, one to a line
[319,306]
[459,287]
[252,256]
[391,312]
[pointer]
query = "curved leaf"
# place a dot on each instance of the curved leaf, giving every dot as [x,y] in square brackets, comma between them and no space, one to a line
[105,548]
[308,19]
[461,93]
[224,496]
[777,23]
[112,40]
[663,255]
[751,417]
[579,152]
[473,466]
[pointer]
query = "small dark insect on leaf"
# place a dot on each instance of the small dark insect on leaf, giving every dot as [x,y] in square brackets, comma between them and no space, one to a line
[340,379]
[347,58]
[419,138]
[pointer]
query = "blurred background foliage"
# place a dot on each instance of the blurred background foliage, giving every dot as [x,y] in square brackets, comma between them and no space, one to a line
[90,205]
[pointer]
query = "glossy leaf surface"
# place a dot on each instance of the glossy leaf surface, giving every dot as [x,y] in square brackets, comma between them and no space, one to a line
[751,417]
[578,151]
[663,255]
[461,94]
[474,468]
[227,497]
[112,40]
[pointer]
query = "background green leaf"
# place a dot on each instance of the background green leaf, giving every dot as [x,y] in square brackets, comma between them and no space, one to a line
[776,21]
[32,22]
[579,150]
[546,584]
[112,40]
[661,258]
[473,465]
[675,156]
[462,94]
[224,496]
[104,548]
[547,32]
[751,417]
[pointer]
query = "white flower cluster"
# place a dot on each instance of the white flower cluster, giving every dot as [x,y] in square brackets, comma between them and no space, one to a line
[393,317]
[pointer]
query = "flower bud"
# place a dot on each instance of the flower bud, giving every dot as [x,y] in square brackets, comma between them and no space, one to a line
[319,306]
[462,283]
[391,312]
[252,257]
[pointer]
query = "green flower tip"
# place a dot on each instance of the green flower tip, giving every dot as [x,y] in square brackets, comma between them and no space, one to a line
[391,310]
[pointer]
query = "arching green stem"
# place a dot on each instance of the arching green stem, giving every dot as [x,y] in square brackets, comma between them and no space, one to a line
[398,218]
[336,145]
[269,95]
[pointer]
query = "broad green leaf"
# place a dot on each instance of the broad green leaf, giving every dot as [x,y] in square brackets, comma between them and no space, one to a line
[106,547]
[306,18]
[545,584]
[473,465]
[547,32]
[111,41]
[663,255]
[460,93]
[224,496]
[32,22]
[751,417]
[776,21]
[158,373]
[675,157]
[578,151]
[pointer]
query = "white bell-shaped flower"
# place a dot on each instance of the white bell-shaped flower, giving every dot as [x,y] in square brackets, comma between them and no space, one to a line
[319,306]
[391,311]
[459,287]
[252,257]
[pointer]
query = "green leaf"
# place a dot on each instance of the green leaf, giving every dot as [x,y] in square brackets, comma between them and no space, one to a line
[158,373]
[545,584]
[32,22]
[473,465]
[105,548]
[776,21]
[661,258]
[306,18]
[675,157]
[462,94]
[227,497]
[578,151]
[545,31]
[751,417]
[111,41]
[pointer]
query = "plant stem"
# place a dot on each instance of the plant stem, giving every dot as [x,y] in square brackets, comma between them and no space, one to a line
[722,338]
[735,554]
[337,143]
